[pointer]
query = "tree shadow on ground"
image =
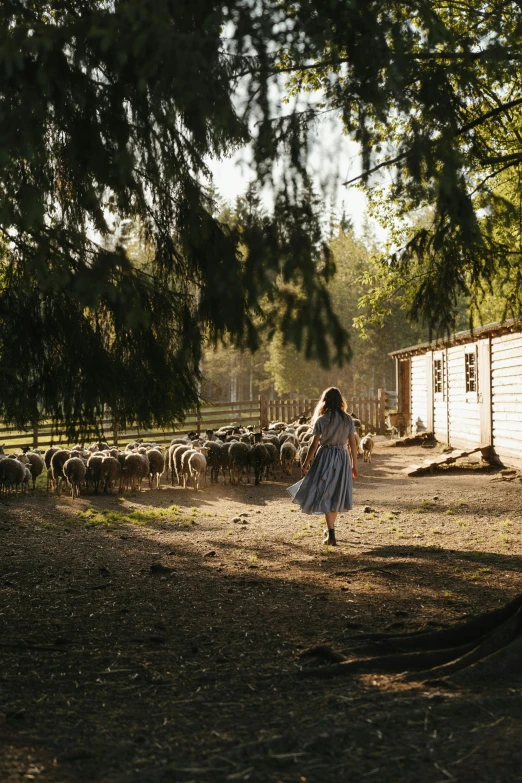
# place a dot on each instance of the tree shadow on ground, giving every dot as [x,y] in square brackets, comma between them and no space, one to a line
[137,657]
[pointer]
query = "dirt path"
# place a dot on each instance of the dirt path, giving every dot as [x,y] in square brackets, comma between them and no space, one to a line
[164,646]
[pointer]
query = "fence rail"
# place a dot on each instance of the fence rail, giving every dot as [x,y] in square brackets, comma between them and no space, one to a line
[371,411]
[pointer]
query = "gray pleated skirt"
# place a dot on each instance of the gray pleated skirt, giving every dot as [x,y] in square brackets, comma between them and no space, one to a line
[328,484]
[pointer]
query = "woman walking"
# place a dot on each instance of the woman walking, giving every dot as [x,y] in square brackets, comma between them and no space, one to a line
[327,486]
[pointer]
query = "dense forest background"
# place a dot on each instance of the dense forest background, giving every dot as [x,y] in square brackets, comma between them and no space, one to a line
[372,303]
[278,370]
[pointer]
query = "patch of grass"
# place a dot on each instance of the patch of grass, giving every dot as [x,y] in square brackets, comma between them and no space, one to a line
[389,517]
[252,561]
[449,511]
[461,504]
[461,523]
[426,505]
[503,539]
[302,534]
[506,523]
[143,517]
[436,531]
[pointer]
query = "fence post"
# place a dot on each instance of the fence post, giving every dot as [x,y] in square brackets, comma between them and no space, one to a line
[35,435]
[263,412]
[115,432]
[198,422]
[382,411]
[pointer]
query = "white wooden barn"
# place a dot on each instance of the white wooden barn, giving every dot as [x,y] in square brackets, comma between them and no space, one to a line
[466,389]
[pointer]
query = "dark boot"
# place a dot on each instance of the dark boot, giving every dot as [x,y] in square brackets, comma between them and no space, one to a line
[329,537]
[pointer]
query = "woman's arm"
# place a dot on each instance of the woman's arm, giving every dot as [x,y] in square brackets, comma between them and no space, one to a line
[311,453]
[353,451]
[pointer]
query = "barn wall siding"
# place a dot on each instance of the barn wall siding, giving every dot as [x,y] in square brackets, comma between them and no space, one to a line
[464,409]
[506,391]
[419,394]
[491,415]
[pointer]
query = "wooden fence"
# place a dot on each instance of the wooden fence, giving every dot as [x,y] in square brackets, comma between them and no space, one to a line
[370,410]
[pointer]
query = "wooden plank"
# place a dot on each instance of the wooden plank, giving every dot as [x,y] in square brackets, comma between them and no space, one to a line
[507,426]
[444,459]
[505,452]
[458,423]
[226,414]
[464,442]
[506,397]
[506,442]
[466,413]
[502,361]
[505,372]
[507,407]
[506,383]
[508,415]
[468,420]
[430,412]
[505,339]
[507,349]
[418,394]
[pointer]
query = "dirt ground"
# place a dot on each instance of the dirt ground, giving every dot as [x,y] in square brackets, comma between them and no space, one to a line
[164,646]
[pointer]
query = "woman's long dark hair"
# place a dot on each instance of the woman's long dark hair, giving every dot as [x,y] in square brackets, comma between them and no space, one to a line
[331,400]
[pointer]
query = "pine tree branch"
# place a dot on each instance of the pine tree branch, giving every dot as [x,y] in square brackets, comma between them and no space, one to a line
[514,158]
[464,129]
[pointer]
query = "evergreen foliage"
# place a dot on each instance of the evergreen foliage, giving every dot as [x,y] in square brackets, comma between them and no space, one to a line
[278,367]
[109,112]
[432,91]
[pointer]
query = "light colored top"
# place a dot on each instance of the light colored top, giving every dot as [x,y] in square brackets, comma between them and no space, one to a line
[334,429]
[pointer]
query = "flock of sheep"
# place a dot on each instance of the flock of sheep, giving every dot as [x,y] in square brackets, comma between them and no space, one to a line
[234,451]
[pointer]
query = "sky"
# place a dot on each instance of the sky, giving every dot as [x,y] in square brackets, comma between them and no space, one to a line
[334,159]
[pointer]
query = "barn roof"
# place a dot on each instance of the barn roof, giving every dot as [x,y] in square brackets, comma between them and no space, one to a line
[459,338]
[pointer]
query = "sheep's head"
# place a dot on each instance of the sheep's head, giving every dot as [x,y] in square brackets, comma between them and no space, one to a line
[204,450]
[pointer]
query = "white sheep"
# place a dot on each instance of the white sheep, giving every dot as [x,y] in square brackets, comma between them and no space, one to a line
[110,472]
[367,445]
[12,474]
[197,464]
[27,478]
[184,473]
[136,468]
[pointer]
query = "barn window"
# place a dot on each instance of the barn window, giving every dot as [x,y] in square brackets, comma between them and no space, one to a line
[470,358]
[438,375]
